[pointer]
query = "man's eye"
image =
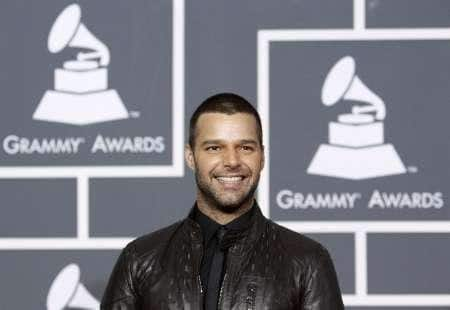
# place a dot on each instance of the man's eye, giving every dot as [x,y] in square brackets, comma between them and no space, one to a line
[247,148]
[213,148]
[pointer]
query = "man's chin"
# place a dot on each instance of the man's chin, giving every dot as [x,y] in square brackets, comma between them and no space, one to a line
[232,205]
[229,207]
[226,201]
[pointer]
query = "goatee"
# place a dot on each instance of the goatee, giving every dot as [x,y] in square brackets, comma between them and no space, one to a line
[214,200]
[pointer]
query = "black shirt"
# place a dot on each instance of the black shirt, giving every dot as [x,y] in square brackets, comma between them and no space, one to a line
[211,246]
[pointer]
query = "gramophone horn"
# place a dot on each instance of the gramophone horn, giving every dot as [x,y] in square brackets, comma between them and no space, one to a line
[342,83]
[67,291]
[67,30]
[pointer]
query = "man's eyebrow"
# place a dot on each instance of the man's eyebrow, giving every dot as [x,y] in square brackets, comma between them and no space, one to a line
[217,141]
[211,142]
[248,141]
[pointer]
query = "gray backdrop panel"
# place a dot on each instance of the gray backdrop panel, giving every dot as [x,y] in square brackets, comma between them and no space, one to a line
[416,95]
[139,39]
[407,13]
[221,39]
[30,274]
[408,263]
[38,208]
[146,204]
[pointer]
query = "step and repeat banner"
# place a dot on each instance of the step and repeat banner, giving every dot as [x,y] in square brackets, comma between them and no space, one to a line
[354,96]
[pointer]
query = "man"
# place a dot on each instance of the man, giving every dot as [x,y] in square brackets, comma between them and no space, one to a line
[225,254]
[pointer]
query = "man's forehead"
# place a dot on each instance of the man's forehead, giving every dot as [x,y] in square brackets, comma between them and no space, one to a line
[236,126]
[221,120]
[212,118]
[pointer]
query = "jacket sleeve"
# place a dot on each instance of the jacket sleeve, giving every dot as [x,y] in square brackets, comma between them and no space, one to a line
[121,292]
[322,290]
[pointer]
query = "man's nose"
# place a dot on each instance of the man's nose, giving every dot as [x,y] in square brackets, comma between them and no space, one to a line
[231,159]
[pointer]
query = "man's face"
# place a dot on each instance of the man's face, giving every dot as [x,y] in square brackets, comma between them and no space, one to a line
[227,159]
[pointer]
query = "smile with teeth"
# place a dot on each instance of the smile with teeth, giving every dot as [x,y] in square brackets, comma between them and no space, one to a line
[230,179]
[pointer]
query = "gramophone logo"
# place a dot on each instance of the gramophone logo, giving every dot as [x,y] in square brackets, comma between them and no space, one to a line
[81,95]
[356,148]
[67,291]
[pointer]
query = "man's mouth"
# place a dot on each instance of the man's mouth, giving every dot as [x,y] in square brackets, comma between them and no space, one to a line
[230,179]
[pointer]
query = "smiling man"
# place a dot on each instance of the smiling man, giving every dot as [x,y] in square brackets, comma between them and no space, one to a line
[225,254]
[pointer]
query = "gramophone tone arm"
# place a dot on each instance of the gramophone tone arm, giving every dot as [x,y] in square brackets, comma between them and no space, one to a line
[104,61]
[359,109]
[377,107]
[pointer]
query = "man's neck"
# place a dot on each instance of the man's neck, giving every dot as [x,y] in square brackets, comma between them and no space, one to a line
[219,216]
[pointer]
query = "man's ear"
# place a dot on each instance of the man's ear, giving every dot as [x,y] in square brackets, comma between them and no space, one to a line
[189,156]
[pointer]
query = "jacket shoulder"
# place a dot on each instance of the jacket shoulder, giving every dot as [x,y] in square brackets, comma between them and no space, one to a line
[316,274]
[297,245]
[150,242]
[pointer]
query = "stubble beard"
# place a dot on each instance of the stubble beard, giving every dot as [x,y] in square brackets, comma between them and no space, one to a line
[216,201]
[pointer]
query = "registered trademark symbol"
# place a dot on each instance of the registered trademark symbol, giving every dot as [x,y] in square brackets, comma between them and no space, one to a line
[412,169]
[134,114]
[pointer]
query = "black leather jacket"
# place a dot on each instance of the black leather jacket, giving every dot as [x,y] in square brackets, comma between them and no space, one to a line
[269,267]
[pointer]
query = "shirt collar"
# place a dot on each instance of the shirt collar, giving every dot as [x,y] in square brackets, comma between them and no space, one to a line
[209,226]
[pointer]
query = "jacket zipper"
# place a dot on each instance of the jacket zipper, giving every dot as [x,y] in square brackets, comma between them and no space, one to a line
[251,298]
[199,279]
[221,291]
[199,284]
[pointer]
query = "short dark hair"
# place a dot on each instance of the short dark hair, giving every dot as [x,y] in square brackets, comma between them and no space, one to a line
[226,103]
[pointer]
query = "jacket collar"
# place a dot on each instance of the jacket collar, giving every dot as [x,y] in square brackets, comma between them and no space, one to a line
[246,236]
[233,229]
